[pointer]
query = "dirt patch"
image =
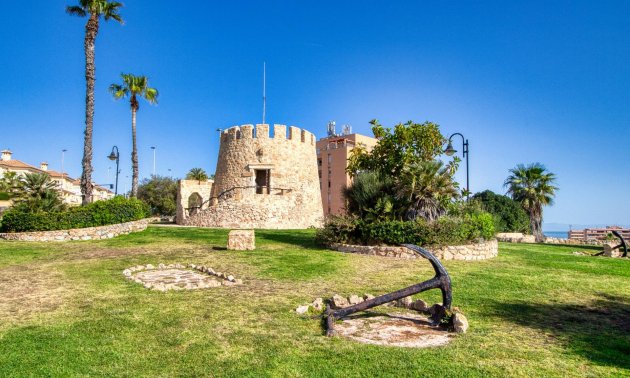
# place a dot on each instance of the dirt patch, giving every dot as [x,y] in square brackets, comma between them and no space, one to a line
[402,330]
[28,291]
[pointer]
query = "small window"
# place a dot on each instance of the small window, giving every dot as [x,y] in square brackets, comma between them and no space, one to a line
[262,181]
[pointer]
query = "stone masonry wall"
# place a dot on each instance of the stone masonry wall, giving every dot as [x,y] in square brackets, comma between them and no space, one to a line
[88,233]
[294,200]
[186,188]
[476,251]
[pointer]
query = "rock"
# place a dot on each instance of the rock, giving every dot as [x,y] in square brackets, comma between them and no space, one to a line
[210,271]
[419,305]
[354,299]
[460,323]
[127,272]
[404,302]
[161,266]
[338,301]
[318,304]
[228,283]
[192,266]
[368,297]
[241,240]
[437,312]
[238,281]
[302,309]
[149,267]
[231,278]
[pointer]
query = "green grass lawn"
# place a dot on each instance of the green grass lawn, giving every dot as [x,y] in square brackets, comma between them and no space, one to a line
[67,310]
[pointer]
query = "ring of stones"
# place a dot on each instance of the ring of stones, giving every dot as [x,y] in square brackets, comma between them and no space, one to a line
[179,277]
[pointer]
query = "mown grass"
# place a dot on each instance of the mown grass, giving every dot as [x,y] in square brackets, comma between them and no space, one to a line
[66,310]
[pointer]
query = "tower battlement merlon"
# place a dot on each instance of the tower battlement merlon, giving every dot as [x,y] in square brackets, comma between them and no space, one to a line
[279,131]
[262,130]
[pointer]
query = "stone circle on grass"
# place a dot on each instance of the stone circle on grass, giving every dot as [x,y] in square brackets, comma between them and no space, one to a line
[179,277]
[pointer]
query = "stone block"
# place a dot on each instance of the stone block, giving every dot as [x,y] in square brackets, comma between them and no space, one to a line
[241,240]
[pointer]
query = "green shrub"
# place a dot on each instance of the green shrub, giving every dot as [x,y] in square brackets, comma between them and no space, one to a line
[337,230]
[448,230]
[100,213]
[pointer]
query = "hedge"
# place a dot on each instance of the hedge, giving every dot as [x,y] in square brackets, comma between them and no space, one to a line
[445,231]
[100,213]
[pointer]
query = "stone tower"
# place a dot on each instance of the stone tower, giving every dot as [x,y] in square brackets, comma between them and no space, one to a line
[264,181]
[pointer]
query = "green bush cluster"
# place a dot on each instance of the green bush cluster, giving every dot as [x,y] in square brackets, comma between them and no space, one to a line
[447,230]
[100,213]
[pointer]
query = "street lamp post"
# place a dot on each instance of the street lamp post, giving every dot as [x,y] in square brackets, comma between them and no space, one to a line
[153,148]
[115,156]
[63,153]
[450,151]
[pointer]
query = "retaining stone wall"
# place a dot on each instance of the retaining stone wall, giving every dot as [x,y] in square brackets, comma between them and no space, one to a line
[88,233]
[477,251]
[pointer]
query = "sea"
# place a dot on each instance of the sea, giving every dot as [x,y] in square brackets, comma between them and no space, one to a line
[557,234]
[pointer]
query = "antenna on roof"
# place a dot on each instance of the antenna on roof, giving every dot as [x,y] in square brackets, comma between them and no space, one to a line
[264,91]
[346,130]
[331,129]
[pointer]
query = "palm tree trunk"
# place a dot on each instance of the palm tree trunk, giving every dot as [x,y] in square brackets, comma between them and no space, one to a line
[536,224]
[134,153]
[91,30]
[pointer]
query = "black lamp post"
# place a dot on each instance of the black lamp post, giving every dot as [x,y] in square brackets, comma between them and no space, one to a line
[450,151]
[115,155]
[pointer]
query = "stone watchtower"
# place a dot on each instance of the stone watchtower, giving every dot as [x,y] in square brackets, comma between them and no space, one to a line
[264,181]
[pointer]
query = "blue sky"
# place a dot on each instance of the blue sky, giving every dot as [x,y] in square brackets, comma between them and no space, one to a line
[524,81]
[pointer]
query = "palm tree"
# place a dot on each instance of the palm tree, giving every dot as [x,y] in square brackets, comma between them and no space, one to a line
[533,187]
[371,197]
[197,174]
[428,187]
[134,87]
[94,10]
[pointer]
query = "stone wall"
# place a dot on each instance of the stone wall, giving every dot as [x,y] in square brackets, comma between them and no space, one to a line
[294,197]
[476,251]
[187,188]
[515,237]
[88,233]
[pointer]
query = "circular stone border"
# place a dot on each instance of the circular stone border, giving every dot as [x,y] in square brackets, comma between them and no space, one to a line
[227,279]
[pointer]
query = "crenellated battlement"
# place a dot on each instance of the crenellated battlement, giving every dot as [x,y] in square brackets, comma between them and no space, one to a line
[261,131]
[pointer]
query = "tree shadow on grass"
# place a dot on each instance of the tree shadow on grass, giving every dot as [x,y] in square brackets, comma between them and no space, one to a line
[599,330]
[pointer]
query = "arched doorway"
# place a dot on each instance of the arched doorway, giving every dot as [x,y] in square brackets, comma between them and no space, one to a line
[194,203]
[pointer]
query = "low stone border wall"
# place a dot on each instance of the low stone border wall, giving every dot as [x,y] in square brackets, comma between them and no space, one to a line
[476,251]
[88,233]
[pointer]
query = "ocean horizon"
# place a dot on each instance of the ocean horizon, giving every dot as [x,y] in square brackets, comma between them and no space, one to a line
[557,234]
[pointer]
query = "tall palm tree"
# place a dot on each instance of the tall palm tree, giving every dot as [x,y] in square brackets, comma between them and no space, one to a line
[428,187]
[533,187]
[134,87]
[94,10]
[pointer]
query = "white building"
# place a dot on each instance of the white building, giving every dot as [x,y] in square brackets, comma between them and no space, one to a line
[69,188]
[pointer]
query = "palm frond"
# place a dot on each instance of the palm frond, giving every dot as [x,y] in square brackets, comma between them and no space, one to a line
[76,10]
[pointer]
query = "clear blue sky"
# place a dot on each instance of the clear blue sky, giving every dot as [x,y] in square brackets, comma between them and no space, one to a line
[524,81]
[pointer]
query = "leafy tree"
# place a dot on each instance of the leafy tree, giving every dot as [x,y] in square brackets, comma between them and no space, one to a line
[38,193]
[428,187]
[197,174]
[94,10]
[134,87]
[533,187]
[507,213]
[160,193]
[404,145]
